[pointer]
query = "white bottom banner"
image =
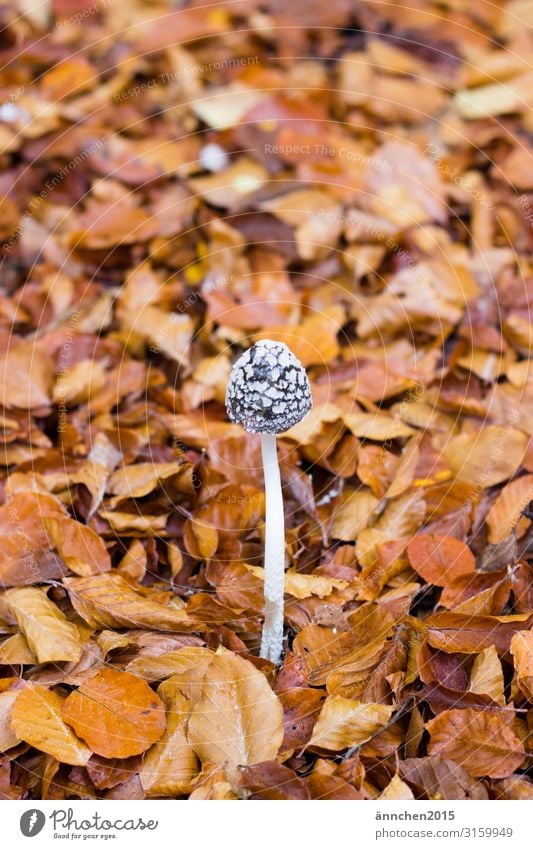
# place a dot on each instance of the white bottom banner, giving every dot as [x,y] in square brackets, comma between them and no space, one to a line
[230,825]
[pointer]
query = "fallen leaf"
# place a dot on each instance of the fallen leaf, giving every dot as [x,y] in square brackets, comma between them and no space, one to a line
[522,651]
[81,549]
[440,560]
[485,744]
[237,719]
[117,714]
[36,718]
[8,738]
[344,723]
[51,637]
[107,600]
[506,511]
[170,766]
[486,457]
[26,375]
[486,675]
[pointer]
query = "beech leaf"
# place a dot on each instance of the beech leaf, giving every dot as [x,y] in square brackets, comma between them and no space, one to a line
[237,719]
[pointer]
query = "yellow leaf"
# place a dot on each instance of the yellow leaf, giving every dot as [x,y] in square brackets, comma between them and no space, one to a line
[522,651]
[405,472]
[487,457]
[8,738]
[80,382]
[36,718]
[158,667]
[50,636]
[378,426]
[108,600]
[138,480]
[397,789]
[354,514]
[16,650]
[344,723]
[302,586]
[170,766]
[486,676]
[238,719]
[25,377]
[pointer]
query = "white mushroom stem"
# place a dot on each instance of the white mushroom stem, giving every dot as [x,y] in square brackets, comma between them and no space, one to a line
[272,639]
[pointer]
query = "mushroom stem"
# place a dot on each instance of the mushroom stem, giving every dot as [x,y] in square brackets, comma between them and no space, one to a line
[272,639]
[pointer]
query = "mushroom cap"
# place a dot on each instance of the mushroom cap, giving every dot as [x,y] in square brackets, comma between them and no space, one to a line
[268,390]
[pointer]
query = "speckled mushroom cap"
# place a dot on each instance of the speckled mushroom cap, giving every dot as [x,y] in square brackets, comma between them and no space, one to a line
[268,389]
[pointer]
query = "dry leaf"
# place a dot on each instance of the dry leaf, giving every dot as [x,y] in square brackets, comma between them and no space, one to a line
[505,513]
[486,675]
[483,743]
[487,457]
[344,723]
[109,601]
[237,719]
[51,637]
[440,560]
[8,738]
[117,714]
[522,651]
[36,718]
[170,766]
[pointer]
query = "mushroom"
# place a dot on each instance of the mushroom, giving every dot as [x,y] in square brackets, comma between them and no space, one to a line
[268,392]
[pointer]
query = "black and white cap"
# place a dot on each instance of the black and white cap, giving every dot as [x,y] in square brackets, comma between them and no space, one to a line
[268,389]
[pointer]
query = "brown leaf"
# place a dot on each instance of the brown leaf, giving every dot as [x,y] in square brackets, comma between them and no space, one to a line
[81,549]
[485,744]
[271,780]
[330,787]
[438,778]
[461,632]
[301,707]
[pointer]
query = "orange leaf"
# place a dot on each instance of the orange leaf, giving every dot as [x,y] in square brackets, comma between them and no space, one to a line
[505,513]
[522,651]
[117,714]
[440,560]
[82,550]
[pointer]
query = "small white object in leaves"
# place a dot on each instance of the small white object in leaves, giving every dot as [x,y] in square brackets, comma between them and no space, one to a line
[213,157]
